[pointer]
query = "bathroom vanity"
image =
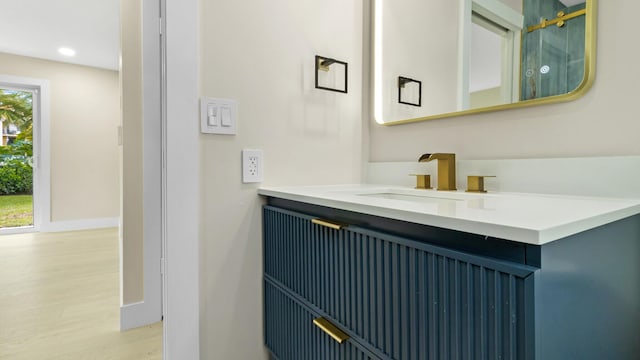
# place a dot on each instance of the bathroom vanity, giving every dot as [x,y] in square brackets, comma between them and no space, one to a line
[372,272]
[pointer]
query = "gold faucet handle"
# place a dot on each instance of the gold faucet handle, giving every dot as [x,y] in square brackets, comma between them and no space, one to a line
[423,181]
[475,183]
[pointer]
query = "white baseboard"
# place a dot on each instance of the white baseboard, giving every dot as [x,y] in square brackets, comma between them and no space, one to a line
[85,224]
[136,315]
[17,230]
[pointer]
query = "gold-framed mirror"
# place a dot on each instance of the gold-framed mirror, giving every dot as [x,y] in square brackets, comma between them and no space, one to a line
[445,58]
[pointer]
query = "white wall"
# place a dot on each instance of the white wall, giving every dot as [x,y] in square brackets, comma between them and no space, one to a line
[132,234]
[602,123]
[84,116]
[420,42]
[262,54]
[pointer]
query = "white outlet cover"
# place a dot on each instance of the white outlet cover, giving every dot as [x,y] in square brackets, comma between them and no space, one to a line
[252,166]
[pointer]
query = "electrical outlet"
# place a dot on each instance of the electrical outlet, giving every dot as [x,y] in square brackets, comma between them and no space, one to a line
[252,166]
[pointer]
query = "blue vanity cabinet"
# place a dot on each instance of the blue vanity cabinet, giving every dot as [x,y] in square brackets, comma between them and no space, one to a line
[397,297]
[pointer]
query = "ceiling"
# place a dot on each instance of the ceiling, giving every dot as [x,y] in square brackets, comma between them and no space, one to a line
[37,28]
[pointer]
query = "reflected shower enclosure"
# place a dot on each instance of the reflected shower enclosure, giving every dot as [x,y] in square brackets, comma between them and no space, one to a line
[553,49]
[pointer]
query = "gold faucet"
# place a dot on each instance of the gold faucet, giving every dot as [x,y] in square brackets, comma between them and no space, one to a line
[446,169]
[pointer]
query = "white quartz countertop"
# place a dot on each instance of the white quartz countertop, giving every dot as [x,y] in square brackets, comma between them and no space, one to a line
[528,218]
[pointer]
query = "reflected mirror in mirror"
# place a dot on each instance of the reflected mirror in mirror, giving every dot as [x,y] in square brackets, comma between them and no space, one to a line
[480,55]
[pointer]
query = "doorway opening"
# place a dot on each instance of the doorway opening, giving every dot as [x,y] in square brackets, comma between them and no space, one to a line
[489,54]
[491,64]
[29,133]
[17,158]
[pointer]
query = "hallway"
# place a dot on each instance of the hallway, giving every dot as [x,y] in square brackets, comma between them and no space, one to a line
[59,299]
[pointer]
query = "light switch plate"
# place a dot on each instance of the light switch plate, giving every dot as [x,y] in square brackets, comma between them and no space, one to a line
[218,116]
[252,166]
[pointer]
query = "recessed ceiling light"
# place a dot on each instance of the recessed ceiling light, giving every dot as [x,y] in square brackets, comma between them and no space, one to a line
[67,51]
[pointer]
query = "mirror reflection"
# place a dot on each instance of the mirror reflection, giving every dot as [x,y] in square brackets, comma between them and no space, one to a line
[475,55]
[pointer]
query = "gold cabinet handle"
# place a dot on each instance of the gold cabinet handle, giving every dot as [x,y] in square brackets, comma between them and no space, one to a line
[331,330]
[331,225]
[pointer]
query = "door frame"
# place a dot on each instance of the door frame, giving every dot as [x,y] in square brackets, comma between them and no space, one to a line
[41,150]
[171,169]
[498,13]
[181,163]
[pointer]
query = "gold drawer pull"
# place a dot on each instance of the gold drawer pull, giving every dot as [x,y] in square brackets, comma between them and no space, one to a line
[328,224]
[331,330]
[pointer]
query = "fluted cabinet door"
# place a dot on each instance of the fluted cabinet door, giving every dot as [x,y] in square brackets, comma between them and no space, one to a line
[403,298]
[416,301]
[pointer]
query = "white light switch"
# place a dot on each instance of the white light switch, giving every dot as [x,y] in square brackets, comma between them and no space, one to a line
[212,117]
[218,116]
[226,116]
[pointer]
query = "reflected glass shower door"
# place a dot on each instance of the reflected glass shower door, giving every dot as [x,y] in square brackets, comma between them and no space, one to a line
[553,56]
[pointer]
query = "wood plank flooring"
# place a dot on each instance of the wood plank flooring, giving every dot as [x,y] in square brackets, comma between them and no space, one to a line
[59,299]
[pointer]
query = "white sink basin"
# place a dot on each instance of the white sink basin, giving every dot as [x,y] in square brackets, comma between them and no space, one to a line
[422,198]
[416,195]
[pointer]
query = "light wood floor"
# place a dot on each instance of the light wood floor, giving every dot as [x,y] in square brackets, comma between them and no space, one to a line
[59,299]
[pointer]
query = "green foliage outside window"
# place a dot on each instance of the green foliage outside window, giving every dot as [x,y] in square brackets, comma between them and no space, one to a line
[16,177]
[16,108]
[16,171]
